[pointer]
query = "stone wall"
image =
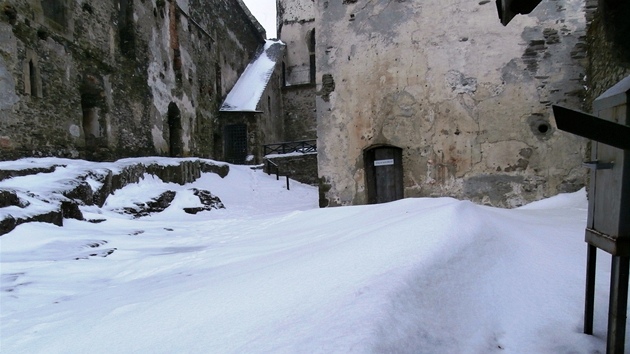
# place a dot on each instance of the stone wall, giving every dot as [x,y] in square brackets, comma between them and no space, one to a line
[72,188]
[300,114]
[296,20]
[466,99]
[109,79]
[300,167]
[272,125]
[608,45]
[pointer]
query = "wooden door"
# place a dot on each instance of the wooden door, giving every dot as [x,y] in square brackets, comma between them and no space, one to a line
[235,139]
[384,174]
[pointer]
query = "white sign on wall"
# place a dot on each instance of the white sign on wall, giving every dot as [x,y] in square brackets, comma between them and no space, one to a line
[387,162]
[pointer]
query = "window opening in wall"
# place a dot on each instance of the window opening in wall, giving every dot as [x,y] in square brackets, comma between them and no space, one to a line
[217,72]
[311,49]
[284,74]
[235,143]
[312,67]
[55,10]
[174,41]
[32,80]
[269,104]
[176,144]
[91,126]
[94,126]
[126,32]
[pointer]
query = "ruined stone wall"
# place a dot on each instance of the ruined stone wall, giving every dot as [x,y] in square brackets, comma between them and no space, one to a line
[297,30]
[109,79]
[302,168]
[297,21]
[466,99]
[300,115]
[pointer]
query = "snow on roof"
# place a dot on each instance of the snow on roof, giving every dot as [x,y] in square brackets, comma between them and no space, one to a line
[246,93]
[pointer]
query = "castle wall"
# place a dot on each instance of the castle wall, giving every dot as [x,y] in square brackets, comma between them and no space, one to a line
[465,99]
[296,20]
[110,79]
[272,125]
[300,114]
[608,45]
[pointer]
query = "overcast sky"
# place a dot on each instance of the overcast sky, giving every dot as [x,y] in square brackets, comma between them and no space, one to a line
[265,12]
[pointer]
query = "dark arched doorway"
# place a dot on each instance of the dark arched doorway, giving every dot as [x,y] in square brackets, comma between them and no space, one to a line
[384,174]
[176,144]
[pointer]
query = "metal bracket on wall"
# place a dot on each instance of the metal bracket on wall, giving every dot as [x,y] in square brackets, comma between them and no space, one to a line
[596,165]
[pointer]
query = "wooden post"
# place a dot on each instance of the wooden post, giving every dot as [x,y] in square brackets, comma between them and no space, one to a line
[589,304]
[618,305]
[609,201]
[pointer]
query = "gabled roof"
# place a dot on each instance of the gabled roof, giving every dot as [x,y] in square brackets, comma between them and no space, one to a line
[246,93]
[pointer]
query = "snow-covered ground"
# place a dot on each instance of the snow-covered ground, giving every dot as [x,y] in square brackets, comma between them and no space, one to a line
[272,273]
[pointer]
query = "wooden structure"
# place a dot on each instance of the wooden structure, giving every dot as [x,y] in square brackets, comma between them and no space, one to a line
[608,226]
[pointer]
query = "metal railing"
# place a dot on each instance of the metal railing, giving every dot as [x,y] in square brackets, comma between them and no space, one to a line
[273,166]
[304,146]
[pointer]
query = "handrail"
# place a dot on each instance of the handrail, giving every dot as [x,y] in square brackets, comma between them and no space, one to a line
[303,146]
[277,168]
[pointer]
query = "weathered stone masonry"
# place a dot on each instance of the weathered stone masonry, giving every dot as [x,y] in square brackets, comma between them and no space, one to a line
[109,79]
[296,27]
[465,100]
[608,45]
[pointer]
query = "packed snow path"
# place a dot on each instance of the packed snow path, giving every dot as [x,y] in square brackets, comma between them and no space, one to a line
[272,273]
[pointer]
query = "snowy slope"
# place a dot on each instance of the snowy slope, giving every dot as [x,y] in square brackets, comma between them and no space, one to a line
[272,273]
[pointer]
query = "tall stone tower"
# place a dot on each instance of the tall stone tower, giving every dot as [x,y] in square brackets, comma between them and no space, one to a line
[296,28]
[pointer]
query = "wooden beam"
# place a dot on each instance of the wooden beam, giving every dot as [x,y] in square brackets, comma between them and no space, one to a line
[592,127]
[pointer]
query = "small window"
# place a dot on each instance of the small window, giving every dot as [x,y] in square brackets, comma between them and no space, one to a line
[126,30]
[311,41]
[284,74]
[55,10]
[217,78]
[32,87]
[313,69]
[311,50]
[32,81]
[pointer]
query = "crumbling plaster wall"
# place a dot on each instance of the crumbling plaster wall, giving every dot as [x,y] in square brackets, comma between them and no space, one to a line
[104,79]
[467,99]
